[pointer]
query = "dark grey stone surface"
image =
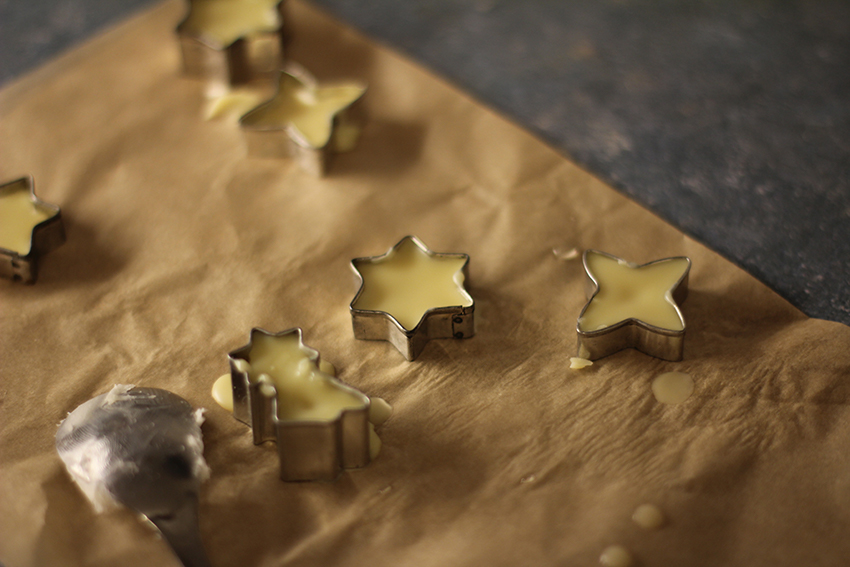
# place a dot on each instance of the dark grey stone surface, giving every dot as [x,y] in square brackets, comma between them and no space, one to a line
[33,31]
[728,118]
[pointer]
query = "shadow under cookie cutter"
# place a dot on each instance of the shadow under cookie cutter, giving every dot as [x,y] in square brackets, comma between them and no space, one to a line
[308,449]
[231,58]
[45,235]
[438,322]
[632,332]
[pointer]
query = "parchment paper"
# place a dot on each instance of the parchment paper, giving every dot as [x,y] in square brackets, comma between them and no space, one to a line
[497,453]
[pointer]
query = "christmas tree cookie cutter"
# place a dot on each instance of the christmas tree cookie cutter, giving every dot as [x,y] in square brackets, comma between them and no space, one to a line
[308,448]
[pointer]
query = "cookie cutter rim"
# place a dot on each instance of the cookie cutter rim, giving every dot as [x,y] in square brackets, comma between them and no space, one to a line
[286,141]
[307,449]
[666,344]
[205,58]
[447,322]
[46,236]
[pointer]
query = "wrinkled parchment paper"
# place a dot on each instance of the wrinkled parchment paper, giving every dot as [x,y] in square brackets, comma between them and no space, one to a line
[497,453]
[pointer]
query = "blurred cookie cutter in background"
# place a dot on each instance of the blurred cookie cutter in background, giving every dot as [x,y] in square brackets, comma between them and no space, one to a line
[238,58]
[308,450]
[630,332]
[45,236]
[439,322]
[281,138]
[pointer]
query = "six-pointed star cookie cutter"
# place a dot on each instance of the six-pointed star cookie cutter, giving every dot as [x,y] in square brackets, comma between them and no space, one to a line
[666,344]
[285,140]
[308,450]
[234,63]
[46,235]
[445,322]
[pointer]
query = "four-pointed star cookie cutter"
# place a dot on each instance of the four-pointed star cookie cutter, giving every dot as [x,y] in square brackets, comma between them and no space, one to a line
[456,321]
[286,141]
[46,235]
[666,344]
[308,450]
[233,62]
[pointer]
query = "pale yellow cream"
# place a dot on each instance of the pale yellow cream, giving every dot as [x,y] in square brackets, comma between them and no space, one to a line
[615,556]
[222,392]
[232,103]
[304,393]
[18,216]
[672,387]
[310,110]
[577,363]
[225,21]
[631,292]
[648,516]
[379,409]
[409,282]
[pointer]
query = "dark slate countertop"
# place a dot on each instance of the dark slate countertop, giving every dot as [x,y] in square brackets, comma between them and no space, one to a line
[728,118]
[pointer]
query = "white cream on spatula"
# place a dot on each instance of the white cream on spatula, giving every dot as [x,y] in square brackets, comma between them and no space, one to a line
[141,447]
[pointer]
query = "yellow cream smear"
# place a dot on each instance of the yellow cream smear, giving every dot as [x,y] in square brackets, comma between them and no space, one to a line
[304,393]
[232,103]
[222,392]
[379,411]
[310,110]
[615,556]
[633,292]
[672,387]
[225,21]
[408,282]
[577,363]
[18,216]
[648,516]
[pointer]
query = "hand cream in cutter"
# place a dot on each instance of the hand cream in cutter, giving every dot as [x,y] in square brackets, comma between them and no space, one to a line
[411,295]
[305,120]
[29,227]
[633,306]
[321,425]
[231,41]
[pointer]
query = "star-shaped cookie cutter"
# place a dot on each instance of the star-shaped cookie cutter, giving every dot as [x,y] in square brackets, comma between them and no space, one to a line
[239,55]
[661,341]
[305,120]
[436,322]
[308,449]
[46,230]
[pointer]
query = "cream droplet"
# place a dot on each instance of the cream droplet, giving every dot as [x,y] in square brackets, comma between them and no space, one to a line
[672,387]
[528,479]
[231,104]
[577,363]
[379,410]
[565,254]
[615,556]
[222,392]
[648,516]
[327,367]
[374,442]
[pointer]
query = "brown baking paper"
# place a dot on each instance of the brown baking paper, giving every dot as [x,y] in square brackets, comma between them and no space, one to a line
[497,453]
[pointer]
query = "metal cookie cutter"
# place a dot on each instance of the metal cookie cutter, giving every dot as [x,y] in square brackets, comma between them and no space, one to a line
[29,227]
[230,41]
[376,310]
[305,120]
[656,329]
[309,449]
